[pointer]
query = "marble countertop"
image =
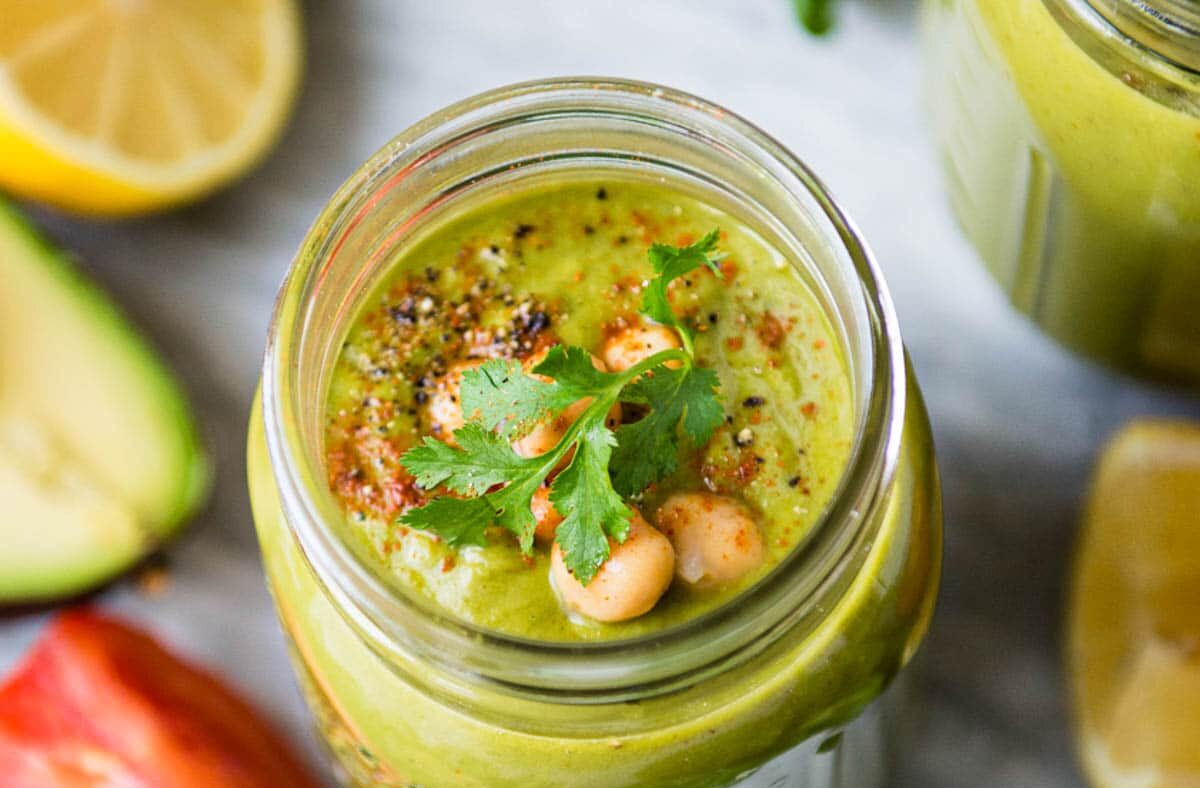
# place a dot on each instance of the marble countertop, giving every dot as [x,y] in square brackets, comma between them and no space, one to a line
[1018,421]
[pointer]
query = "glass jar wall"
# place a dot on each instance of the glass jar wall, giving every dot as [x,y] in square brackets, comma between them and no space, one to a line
[1069,133]
[754,693]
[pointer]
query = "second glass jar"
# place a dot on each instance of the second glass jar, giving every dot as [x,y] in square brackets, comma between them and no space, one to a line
[1069,133]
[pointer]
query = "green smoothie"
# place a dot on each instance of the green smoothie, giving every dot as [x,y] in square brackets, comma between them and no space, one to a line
[564,265]
[1072,163]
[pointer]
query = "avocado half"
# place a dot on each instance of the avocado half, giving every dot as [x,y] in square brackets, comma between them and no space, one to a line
[100,460]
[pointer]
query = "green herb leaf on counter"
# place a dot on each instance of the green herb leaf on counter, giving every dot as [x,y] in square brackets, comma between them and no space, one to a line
[815,15]
[502,402]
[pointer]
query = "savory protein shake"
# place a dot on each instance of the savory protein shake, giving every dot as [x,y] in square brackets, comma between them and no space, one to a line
[590,474]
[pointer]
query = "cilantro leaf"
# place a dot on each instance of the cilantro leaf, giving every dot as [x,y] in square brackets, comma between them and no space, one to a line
[459,521]
[512,401]
[592,511]
[574,372]
[702,407]
[483,460]
[648,449]
[504,402]
[500,396]
[513,509]
[670,263]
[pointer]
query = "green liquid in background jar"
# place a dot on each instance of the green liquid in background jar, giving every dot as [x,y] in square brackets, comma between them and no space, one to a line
[1072,158]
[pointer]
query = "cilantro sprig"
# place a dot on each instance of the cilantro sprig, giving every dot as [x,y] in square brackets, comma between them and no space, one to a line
[492,485]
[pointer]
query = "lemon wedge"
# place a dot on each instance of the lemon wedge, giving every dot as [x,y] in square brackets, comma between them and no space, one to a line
[120,107]
[1134,630]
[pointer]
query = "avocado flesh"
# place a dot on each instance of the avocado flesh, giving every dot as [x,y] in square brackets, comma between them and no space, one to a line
[99,457]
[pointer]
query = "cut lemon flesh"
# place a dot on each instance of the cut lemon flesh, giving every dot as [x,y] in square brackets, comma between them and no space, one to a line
[116,107]
[1134,631]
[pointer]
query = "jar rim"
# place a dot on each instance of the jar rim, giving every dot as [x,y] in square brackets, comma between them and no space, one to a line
[393,623]
[1167,30]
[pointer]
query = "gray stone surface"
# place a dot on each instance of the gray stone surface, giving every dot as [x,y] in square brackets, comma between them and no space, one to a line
[1018,421]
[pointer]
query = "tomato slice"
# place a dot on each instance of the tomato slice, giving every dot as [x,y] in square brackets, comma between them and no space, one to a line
[99,703]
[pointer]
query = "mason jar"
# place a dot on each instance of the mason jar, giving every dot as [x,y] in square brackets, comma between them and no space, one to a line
[774,688]
[1069,133]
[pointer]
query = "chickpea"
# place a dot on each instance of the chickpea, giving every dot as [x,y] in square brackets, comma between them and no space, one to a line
[629,583]
[637,343]
[715,538]
[546,436]
[546,516]
[444,407]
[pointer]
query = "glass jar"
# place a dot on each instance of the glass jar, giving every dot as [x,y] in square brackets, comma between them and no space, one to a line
[1069,133]
[405,695]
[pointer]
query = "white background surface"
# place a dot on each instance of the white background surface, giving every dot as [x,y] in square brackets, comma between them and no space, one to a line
[1017,420]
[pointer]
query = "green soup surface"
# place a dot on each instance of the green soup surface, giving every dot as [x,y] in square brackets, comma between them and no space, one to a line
[566,263]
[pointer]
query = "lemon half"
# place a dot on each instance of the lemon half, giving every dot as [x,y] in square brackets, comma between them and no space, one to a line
[119,107]
[1134,631]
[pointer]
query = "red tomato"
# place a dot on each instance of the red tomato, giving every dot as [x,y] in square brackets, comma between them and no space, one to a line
[98,703]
